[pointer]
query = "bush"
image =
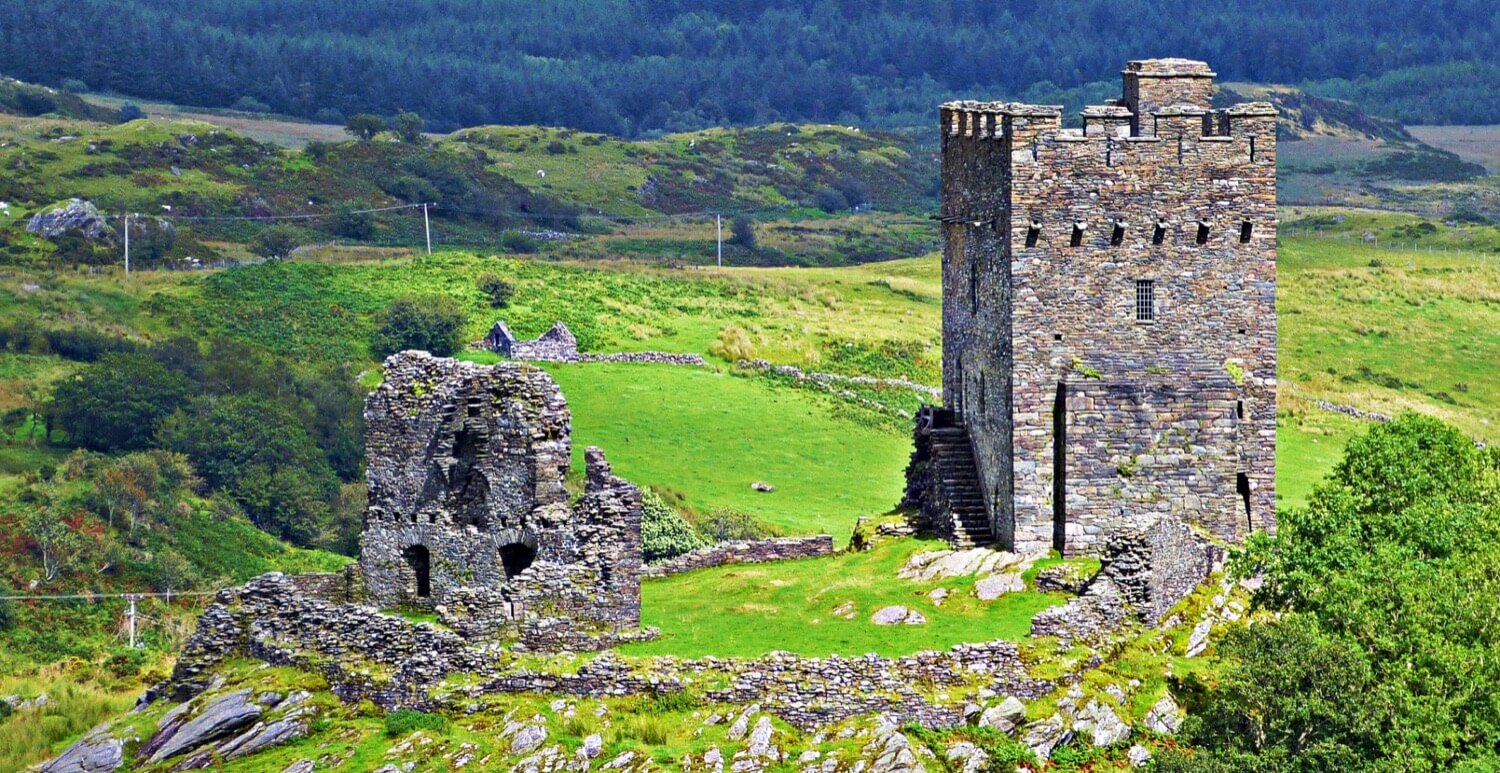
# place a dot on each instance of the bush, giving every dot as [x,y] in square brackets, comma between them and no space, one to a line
[7,617]
[117,403]
[431,323]
[406,722]
[249,104]
[74,86]
[830,200]
[129,112]
[1411,459]
[732,344]
[664,532]
[408,126]
[496,289]
[276,242]
[649,730]
[742,231]
[515,241]
[556,147]
[725,525]
[364,127]
[353,224]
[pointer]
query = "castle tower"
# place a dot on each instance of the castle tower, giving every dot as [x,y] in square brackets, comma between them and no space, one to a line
[1109,315]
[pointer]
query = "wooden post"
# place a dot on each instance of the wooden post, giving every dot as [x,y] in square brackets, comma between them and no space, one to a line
[132,622]
[427,226]
[719,227]
[127,251]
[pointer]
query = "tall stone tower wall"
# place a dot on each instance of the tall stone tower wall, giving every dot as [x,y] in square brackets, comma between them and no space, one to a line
[1082,412]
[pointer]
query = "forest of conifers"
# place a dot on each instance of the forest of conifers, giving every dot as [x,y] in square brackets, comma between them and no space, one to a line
[635,66]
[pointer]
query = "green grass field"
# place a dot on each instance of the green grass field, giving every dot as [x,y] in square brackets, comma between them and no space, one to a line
[749,610]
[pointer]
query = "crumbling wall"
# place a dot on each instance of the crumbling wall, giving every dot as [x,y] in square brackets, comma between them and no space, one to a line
[558,344]
[744,552]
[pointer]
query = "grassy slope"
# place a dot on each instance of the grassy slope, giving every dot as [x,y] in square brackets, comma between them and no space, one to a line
[751,610]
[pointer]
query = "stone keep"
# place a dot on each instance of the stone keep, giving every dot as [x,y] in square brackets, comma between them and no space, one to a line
[1109,315]
[467,510]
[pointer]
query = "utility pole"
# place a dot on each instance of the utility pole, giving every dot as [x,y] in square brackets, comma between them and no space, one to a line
[427,226]
[132,622]
[127,273]
[719,227]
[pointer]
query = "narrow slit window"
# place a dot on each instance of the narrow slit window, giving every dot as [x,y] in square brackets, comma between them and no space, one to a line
[1077,238]
[1202,232]
[1145,300]
[1159,234]
[1239,409]
[1117,236]
[1033,232]
[1252,148]
[1246,229]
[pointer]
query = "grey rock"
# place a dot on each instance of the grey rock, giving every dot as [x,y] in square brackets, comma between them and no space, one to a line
[1198,641]
[219,718]
[1138,756]
[760,745]
[965,757]
[529,738]
[591,747]
[97,752]
[1164,717]
[897,614]
[1004,716]
[300,766]
[1104,726]
[75,215]
[1043,735]
[997,585]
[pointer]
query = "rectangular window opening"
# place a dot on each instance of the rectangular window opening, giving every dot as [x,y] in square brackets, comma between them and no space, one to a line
[1117,237]
[1145,300]
[1246,228]
[1033,232]
[1159,234]
[1077,238]
[1202,232]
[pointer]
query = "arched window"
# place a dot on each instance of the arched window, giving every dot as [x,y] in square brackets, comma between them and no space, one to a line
[516,557]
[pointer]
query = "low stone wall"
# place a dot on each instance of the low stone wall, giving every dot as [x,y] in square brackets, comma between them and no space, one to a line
[743,552]
[652,358]
[342,587]
[395,663]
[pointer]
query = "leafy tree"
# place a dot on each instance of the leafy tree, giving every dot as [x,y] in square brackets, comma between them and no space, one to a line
[129,112]
[7,621]
[664,532]
[742,231]
[117,403]
[725,525]
[364,127]
[496,289]
[830,200]
[56,543]
[1385,656]
[432,323]
[74,86]
[249,104]
[408,126]
[276,242]
[351,223]
[250,448]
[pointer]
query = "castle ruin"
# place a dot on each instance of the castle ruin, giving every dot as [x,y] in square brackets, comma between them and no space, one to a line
[1109,318]
[468,514]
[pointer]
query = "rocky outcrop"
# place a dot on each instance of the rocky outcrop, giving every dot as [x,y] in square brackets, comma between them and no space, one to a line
[744,552]
[98,752]
[76,216]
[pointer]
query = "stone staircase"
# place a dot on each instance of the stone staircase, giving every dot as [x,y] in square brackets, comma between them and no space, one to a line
[956,479]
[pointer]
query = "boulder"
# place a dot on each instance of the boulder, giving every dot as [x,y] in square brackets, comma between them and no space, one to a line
[527,739]
[965,757]
[1004,716]
[1138,756]
[1043,735]
[1104,726]
[1164,717]
[76,215]
[97,752]
[897,615]
[997,585]
[219,718]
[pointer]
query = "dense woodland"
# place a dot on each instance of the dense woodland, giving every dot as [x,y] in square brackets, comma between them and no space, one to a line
[690,63]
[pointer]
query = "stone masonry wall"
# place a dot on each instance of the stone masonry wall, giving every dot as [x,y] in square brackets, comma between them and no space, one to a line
[744,552]
[1183,197]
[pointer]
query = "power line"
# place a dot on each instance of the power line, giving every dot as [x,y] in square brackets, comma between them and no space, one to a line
[103,596]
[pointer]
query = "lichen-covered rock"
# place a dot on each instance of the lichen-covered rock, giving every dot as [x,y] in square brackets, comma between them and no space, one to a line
[1004,716]
[1043,735]
[1164,716]
[76,215]
[528,738]
[96,752]
[997,585]
[897,615]
[1104,726]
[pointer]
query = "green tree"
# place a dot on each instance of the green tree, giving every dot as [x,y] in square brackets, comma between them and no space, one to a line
[117,403]
[496,289]
[742,231]
[364,127]
[408,126]
[260,455]
[57,545]
[276,242]
[432,323]
[351,223]
[664,532]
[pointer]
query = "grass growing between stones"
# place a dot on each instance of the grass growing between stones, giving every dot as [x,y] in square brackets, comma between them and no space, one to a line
[750,610]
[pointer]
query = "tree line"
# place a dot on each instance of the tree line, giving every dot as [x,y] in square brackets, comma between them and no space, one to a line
[690,63]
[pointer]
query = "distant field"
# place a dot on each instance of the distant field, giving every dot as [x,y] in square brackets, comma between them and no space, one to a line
[1479,144]
[277,130]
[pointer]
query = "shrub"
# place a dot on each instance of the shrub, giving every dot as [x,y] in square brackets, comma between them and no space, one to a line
[408,126]
[516,241]
[74,86]
[830,200]
[329,115]
[249,104]
[353,224]
[1408,460]
[664,532]
[117,403]
[363,126]
[7,621]
[725,525]
[432,323]
[275,243]
[406,721]
[742,231]
[732,344]
[129,112]
[556,147]
[496,289]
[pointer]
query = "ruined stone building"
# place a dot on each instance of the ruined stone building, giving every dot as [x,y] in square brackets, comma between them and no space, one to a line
[468,514]
[1109,318]
[557,344]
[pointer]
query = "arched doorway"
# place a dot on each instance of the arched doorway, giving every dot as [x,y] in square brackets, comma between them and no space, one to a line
[515,557]
[420,560]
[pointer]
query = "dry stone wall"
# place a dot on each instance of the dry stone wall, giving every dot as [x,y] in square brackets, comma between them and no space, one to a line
[744,552]
[1088,398]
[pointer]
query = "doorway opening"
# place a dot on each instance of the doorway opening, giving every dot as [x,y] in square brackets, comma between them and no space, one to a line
[1060,469]
[515,557]
[420,562]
